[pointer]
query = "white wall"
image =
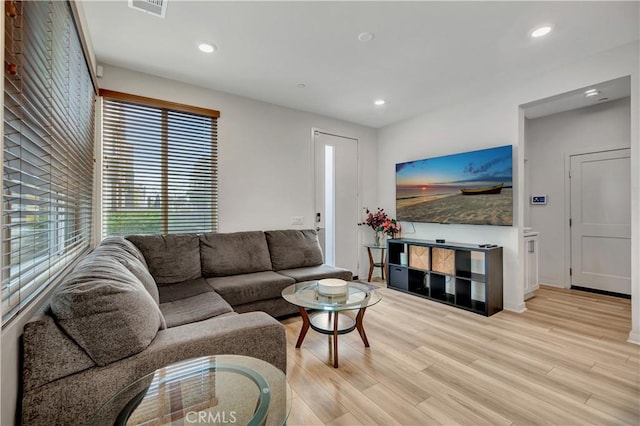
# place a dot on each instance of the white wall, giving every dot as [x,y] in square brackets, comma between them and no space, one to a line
[496,119]
[549,140]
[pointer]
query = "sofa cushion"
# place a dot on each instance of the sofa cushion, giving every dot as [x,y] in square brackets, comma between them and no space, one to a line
[245,288]
[317,273]
[190,301]
[234,253]
[171,258]
[276,307]
[184,290]
[106,310]
[195,308]
[294,248]
[118,252]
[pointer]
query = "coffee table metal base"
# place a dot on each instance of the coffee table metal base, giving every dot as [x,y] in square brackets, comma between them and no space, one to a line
[333,324]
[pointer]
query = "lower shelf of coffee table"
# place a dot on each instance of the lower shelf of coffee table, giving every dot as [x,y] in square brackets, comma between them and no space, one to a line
[323,322]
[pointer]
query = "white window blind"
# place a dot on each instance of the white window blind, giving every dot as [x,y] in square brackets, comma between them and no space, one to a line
[47,147]
[159,166]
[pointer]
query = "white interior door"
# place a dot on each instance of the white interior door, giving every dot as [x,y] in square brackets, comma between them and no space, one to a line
[336,198]
[601,221]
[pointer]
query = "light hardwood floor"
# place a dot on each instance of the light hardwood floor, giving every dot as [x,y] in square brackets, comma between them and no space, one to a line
[563,362]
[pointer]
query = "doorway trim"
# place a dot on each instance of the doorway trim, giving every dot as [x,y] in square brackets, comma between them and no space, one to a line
[567,202]
[312,167]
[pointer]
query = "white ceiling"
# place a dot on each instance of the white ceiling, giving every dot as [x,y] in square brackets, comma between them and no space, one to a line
[423,55]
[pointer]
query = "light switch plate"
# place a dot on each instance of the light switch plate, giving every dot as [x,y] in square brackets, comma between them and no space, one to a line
[297,220]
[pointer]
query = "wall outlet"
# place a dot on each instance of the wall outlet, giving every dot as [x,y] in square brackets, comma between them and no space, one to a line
[297,220]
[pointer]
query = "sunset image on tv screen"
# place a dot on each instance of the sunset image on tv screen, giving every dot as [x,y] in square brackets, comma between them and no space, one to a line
[473,187]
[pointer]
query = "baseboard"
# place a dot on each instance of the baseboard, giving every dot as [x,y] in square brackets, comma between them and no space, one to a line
[551,283]
[518,308]
[634,337]
[606,293]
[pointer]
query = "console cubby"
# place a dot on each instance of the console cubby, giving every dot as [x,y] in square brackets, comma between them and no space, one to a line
[463,275]
[418,282]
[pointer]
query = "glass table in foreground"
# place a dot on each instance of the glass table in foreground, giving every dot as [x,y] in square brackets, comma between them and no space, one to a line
[220,389]
[330,317]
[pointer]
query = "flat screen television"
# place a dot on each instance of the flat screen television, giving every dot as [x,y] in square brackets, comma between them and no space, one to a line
[473,187]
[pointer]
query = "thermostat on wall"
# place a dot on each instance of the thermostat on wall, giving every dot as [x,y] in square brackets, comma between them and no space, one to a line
[538,199]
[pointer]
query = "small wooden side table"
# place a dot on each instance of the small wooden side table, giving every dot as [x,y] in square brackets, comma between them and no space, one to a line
[372,263]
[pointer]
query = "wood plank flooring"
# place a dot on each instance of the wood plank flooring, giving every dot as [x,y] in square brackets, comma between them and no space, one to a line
[563,362]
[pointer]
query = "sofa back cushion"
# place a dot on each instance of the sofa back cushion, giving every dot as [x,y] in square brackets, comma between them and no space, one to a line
[105,309]
[127,246]
[129,256]
[294,248]
[171,258]
[234,253]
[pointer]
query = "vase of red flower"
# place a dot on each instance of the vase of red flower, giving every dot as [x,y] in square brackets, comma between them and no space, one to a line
[391,228]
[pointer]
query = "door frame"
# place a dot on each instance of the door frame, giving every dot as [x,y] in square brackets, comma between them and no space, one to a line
[358,183]
[567,201]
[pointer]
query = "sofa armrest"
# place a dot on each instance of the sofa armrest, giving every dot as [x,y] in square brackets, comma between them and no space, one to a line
[75,398]
[48,353]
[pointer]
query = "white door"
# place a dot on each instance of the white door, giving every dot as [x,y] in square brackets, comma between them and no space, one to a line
[601,221]
[336,198]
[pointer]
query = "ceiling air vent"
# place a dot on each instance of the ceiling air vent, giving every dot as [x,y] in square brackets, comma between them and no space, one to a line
[153,7]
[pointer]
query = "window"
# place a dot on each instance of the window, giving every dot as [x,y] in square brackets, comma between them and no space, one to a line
[159,166]
[48,149]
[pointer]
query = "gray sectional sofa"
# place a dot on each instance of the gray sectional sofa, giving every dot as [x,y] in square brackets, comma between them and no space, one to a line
[134,305]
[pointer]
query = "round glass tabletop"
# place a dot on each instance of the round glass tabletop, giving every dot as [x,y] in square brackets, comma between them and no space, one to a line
[219,389]
[306,295]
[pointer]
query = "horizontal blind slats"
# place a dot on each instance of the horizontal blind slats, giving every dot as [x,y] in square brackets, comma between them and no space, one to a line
[160,170]
[48,151]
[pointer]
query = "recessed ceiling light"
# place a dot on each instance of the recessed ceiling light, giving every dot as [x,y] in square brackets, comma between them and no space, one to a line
[207,47]
[301,85]
[589,94]
[366,36]
[590,90]
[379,102]
[541,31]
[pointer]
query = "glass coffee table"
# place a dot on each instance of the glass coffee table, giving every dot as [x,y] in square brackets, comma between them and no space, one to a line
[329,314]
[220,389]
